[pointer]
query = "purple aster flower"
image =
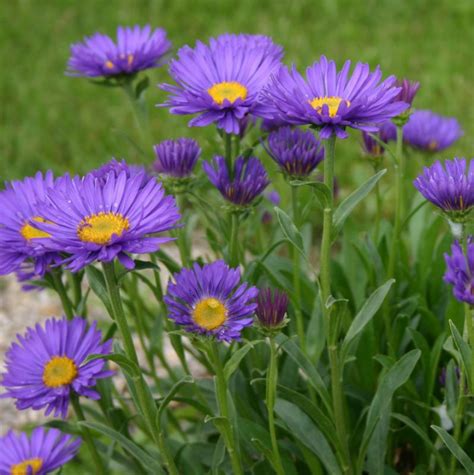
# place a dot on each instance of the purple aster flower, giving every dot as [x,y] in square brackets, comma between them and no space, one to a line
[271,308]
[431,132]
[408,90]
[386,132]
[450,187]
[108,217]
[176,158]
[248,181]
[47,365]
[270,125]
[20,237]
[330,100]
[210,300]
[116,167]
[460,271]
[222,81]
[39,454]
[296,152]
[136,49]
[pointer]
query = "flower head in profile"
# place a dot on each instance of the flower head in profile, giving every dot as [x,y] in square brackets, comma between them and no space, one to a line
[43,452]
[272,306]
[210,300]
[48,364]
[332,100]
[296,152]
[116,167]
[222,81]
[248,181]
[431,132]
[100,218]
[450,186]
[176,158]
[136,49]
[408,90]
[386,132]
[460,271]
[21,240]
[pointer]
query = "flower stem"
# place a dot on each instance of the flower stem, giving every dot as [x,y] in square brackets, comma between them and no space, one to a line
[181,234]
[297,272]
[234,240]
[61,291]
[221,395]
[272,380]
[228,153]
[325,282]
[87,436]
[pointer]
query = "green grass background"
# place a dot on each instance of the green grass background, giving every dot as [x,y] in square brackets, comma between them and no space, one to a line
[49,120]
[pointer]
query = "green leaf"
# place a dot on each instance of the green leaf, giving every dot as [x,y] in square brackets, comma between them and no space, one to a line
[169,397]
[366,313]
[322,192]
[142,86]
[347,205]
[98,286]
[395,377]
[307,367]
[455,449]
[290,231]
[301,427]
[126,364]
[464,351]
[149,462]
[234,361]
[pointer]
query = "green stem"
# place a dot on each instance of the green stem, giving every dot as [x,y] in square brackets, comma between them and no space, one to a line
[61,291]
[181,235]
[325,282]
[87,436]
[234,258]
[297,272]
[379,204]
[221,395]
[458,417]
[272,380]
[228,154]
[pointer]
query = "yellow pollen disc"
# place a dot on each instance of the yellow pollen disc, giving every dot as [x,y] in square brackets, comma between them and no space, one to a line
[210,313]
[433,146]
[109,64]
[230,91]
[130,59]
[59,371]
[27,467]
[332,102]
[29,232]
[99,228]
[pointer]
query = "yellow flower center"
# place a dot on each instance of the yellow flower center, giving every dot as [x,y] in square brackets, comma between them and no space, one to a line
[332,102]
[433,146]
[99,228]
[27,467]
[210,313]
[130,59]
[29,232]
[227,90]
[59,371]
[109,64]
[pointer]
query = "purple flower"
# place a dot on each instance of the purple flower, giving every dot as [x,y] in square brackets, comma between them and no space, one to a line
[271,308]
[47,365]
[296,152]
[176,158]
[386,132]
[39,454]
[21,248]
[460,270]
[431,132]
[116,167]
[107,217]
[248,181]
[273,197]
[408,90]
[210,300]
[222,81]
[450,187]
[330,100]
[136,49]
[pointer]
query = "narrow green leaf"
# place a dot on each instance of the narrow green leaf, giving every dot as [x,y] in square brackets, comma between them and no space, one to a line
[366,313]
[169,397]
[149,462]
[289,230]
[464,351]
[347,205]
[301,427]
[97,284]
[322,192]
[234,361]
[455,449]
[126,364]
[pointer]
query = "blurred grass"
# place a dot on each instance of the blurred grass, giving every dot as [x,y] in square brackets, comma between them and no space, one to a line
[49,120]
